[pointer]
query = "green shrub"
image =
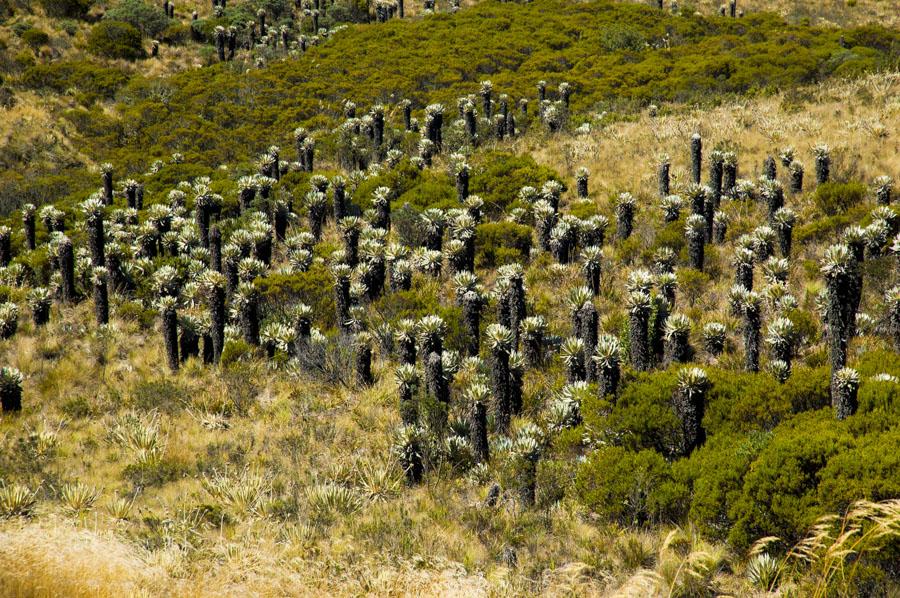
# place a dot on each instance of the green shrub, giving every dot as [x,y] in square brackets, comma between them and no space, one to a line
[66,8]
[868,471]
[714,473]
[175,34]
[500,243]
[236,351]
[148,18]
[629,487]
[498,176]
[314,288]
[35,38]
[134,311]
[116,39]
[837,198]
[780,494]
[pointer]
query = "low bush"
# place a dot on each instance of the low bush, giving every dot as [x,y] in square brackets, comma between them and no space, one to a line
[35,38]
[73,9]
[837,198]
[116,39]
[500,243]
[149,19]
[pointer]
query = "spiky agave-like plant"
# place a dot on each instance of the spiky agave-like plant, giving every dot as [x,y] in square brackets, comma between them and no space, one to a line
[720,227]
[608,361]
[677,337]
[167,307]
[744,259]
[690,403]
[892,306]
[783,222]
[840,270]
[751,309]
[213,284]
[662,175]
[781,337]
[795,170]
[581,182]
[695,232]
[409,449]
[883,186]
[28,225]
[696,157]
[99,282]
[499,340]
[822,154]
[591,266]
[39,301]
[10,389]
[479,397]
[9,319]
[625,206]
[714,334]
[671,206]
[844,387]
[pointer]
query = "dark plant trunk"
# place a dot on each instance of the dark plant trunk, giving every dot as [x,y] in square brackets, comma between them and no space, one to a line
[435,383]
[471,306]
[216,322]
[188,344]
[770,169]
[751,328]
[624,222]
[408,411]
[588,324]
[407,350]
[107,178]
[364,365]
[478,432]
[743,275]
[690,406]
[67,271]
[696,251]
[581,186]
[678,348]
[608,380]
[785,240]
[500,388]
[11,398]
[640,350]
[249,317]
[170,337]
[339,201]
[342,304]
[696,158]
[592,278]
[101,302]
[663,179]
[96,240]
[720,228]
[462,185]
[5,249]
[533,349]
[215,249]
[796,181]
[30,237]
[517,309]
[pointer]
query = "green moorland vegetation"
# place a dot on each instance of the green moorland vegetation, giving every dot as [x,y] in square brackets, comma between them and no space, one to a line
[541,359]
[615,56]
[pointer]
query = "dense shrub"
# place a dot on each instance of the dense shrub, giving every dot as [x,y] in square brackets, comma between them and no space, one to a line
[629,487]
[837,198]
[498,176]
[780,495]
[500,243]
[82,75]
[35,38]
[66,8]
[314,288]
[148,18]
[116,39]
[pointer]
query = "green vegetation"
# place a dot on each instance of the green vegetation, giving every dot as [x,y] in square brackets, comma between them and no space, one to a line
[116,39]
